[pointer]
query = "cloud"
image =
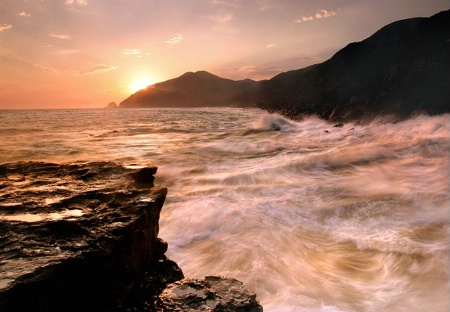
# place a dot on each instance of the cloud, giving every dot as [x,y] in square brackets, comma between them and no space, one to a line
[76,2]
[131,52]
[223,22]
[46,69]
[177,39]
[221,18]
[68,51]
[5,27]
[306,58]
[319,14]
[23,14]
[266,5]
[259,72]
[97,69]
[271,45]
[60,36]
[324,13]
[247,68]
[228,3]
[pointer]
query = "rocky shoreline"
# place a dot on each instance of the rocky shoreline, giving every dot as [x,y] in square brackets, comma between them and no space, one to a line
[84,237]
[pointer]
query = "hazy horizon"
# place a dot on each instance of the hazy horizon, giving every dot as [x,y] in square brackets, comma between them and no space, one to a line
[87,53]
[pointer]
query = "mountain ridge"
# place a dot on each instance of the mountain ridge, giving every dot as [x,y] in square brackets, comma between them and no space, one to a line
[192,89]
[401,69]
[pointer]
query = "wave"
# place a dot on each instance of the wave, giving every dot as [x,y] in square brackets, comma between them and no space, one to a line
[355,215]
[275,122]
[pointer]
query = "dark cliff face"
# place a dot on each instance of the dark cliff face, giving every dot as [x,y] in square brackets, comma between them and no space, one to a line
[189,90]
[401,69]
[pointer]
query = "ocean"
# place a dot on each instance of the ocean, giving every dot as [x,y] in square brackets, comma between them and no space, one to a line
[311,216]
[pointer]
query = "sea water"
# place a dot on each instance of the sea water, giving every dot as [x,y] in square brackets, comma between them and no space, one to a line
[309,216]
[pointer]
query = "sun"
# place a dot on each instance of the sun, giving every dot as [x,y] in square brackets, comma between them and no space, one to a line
[140,84]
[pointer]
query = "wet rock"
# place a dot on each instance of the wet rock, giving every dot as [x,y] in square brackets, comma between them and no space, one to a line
[80,237]
[144,176]
[213,293]
[84,237]
[338,125]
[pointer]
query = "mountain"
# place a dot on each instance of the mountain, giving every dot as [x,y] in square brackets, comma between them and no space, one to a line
[189,90]
[402,69]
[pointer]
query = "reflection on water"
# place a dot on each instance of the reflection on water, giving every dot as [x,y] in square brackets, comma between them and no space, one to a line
[310,216]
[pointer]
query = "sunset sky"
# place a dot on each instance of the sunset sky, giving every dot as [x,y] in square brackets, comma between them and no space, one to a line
[87,53]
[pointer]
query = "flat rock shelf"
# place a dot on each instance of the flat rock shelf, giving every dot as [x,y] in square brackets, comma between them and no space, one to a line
[84,237]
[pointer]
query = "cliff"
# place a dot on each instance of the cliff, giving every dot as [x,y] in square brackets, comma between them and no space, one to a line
[189,90]
[402,69]
[84,237]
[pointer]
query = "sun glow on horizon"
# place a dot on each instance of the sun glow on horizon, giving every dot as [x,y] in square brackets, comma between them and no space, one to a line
[140,84]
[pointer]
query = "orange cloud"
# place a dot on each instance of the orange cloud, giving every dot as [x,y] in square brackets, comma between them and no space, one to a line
[5,27]
[223,2]
[259,72]
[131,52]
[60,36]
[221,18]
[46,69]
[79,2]
[319,14]
[24,14]
[324,13]
[97,69]
[68,51]
[177,39]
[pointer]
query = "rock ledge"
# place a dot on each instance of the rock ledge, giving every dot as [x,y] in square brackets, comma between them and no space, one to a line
[84,237]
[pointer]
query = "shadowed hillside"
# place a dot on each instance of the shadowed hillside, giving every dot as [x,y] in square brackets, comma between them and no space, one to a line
[402,69]
[189,90]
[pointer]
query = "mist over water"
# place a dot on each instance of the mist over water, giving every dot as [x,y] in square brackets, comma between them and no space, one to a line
[309,216]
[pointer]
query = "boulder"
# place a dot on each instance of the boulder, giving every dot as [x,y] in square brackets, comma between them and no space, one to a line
[213,293]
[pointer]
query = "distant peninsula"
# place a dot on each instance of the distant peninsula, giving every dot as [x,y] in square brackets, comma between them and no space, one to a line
[190,90]
[402,69]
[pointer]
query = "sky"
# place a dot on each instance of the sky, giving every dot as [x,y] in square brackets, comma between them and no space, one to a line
[88,53]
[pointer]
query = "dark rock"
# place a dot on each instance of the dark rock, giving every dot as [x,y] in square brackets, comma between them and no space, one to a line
[74,245]
[161,246]
[161,274]
[339,125]
[144,176]
[112,105]
[2,170]
[213,293]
